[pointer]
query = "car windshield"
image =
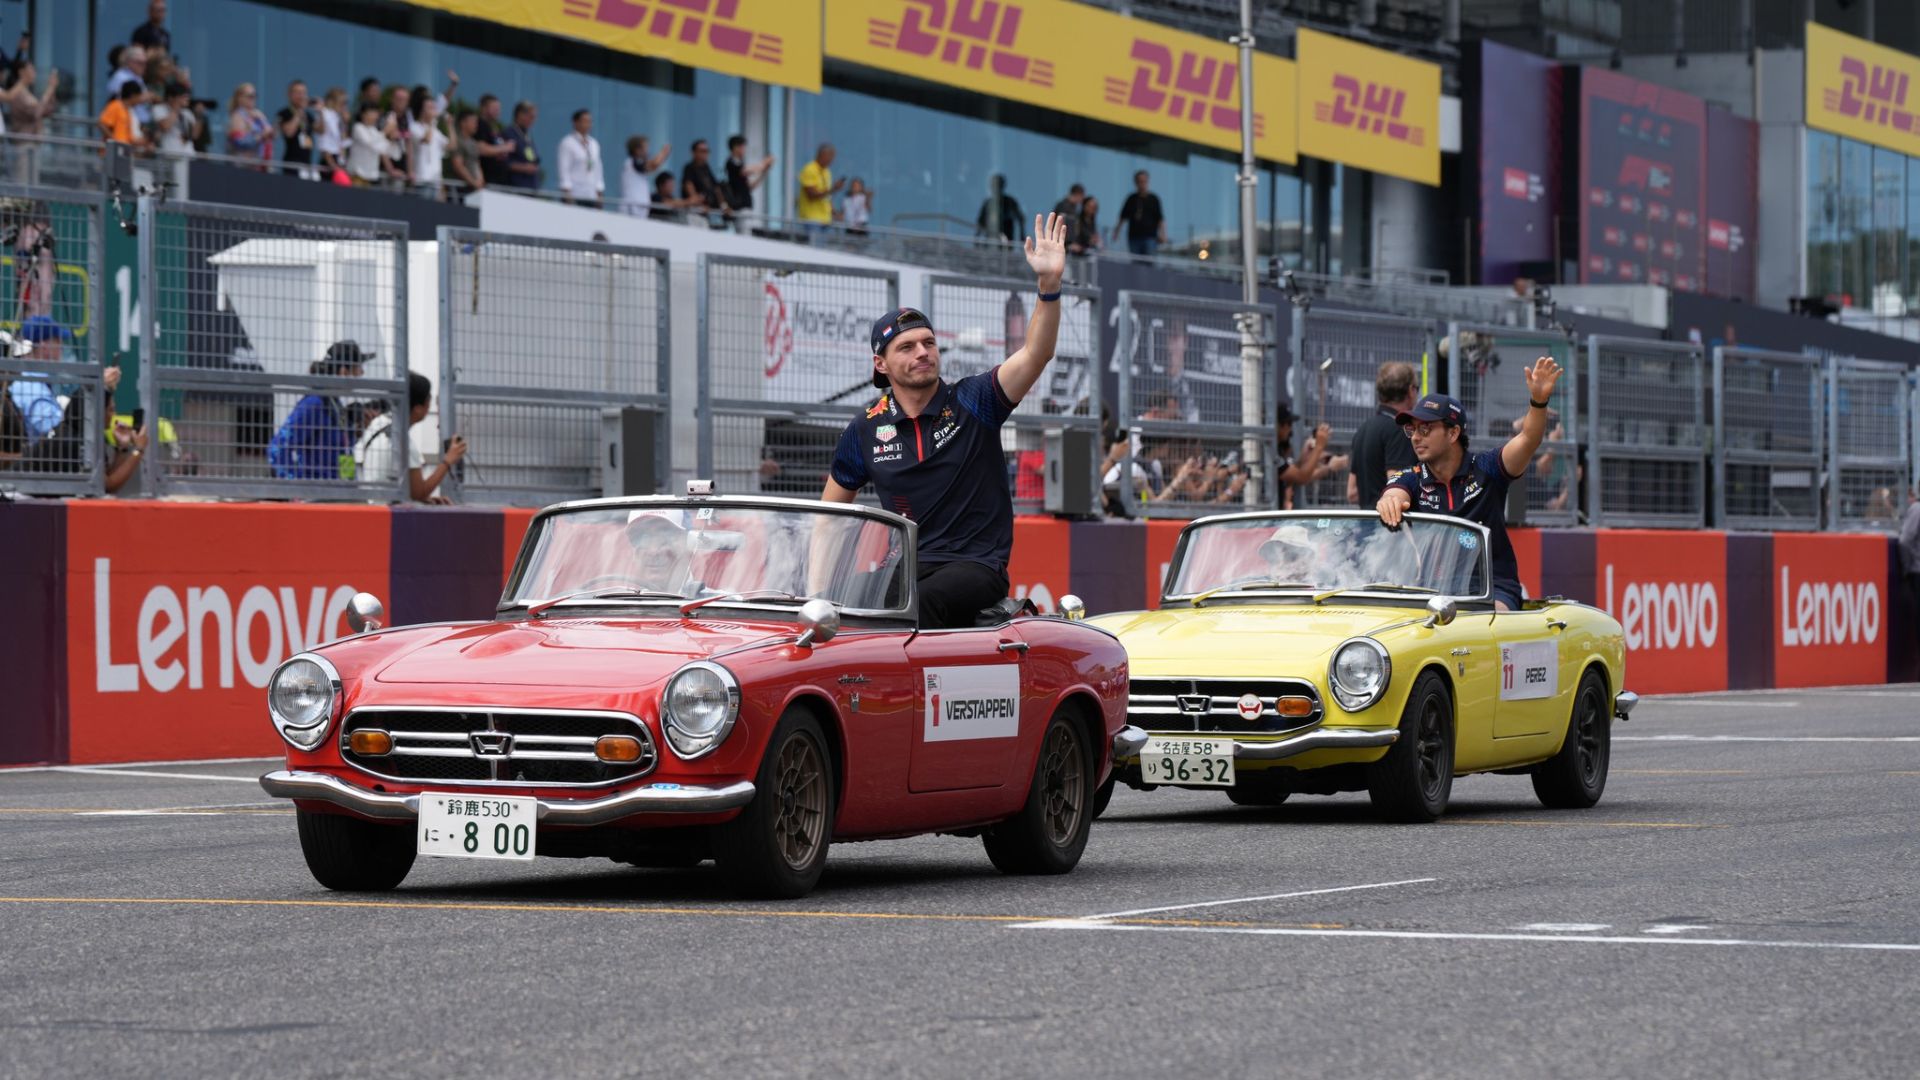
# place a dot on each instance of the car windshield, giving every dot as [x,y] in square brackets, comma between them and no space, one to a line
[663,553]
[1319,553]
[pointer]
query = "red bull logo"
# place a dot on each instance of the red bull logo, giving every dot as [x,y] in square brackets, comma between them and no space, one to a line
[1873,94]
[975,34]
[1186,86]
[1369,108]
[687,21]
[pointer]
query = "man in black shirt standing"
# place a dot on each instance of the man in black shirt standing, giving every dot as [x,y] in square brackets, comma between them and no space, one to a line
[1146,226]
[296,122]
[697,182]
[153,34]
[742,178]
[999,213]
[1381,449]
[491,140]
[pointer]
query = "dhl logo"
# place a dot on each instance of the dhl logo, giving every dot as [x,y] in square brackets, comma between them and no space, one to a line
[1874,95]
[1370,107]
[686,21]
[1196,89]
[973,33]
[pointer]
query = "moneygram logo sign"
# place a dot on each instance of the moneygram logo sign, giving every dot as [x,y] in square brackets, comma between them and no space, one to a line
[1862,90]
[970,34]
[1369,107]
[1187,87]
[714,23]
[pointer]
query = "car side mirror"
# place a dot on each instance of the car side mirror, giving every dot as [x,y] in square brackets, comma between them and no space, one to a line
[819,622]
[1073,607]
[1440,611]
[365,613]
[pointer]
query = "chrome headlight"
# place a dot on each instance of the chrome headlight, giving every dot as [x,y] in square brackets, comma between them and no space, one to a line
[301,697]
[1359,673]
[698,708]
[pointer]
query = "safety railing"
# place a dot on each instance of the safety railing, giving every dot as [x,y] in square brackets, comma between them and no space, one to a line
[273,343]
[1485,370]
[1769,419]
[783,360]
[1646,425]
[52,373]
[980,322]
[1869,426]
[538,340]
[1197,411]
[1336,364]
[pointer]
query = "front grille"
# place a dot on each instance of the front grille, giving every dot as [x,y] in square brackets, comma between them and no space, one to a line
[1208,705]
[524,747]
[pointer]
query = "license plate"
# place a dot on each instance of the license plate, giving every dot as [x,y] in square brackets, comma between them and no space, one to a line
[1187,762]
[477,827]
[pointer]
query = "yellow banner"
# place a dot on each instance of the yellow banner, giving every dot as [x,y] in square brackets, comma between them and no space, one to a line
[1862,90]
[1369,108]
[1076,59]
[772,41]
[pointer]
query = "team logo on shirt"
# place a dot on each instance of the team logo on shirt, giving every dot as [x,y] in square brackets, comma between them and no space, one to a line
[878,407]
[886,432]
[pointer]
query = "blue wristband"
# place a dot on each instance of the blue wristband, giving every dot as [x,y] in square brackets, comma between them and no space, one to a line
[1045,297]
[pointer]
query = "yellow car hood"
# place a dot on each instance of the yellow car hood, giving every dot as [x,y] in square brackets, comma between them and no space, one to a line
[1228,639]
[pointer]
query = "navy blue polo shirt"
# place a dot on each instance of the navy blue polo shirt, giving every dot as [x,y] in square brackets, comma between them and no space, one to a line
[943,469]
[1478,493]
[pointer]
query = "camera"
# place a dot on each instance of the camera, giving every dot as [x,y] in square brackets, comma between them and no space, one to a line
[204,104]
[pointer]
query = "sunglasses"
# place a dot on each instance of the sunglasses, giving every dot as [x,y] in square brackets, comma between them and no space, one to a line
[1421,428]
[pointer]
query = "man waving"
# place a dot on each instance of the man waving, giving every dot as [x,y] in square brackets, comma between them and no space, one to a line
[932,451]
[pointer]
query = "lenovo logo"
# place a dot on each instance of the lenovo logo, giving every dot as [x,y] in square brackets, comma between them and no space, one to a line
[975,34]
[687,22]
[1185,86]
[1666,615]
[1369,108]
[1828,613]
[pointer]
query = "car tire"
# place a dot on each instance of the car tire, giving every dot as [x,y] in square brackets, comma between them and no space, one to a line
[346,854]
[1575,778]
[1050,831]
[777,846]
[1412,782]
[1103,796]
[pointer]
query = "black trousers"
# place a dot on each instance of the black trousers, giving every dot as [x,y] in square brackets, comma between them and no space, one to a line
[953,594]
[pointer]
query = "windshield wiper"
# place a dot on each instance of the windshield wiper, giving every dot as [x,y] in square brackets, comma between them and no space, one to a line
[1377,586]
[539,609]
[692,606]
[1258,583]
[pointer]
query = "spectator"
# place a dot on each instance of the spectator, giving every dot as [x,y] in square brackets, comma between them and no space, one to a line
[636,175]
[1909,548]
[464,162]
[523,158]
[1290,473]
[1069,211]
[814,207]
[579,162]
[490,136]
[153,34]
[162,70]
[1880,507]
[369,94]
[1381,450]
[374,458]
[249,132]
[32,392]
[429,132]
[1000,213]
[296,123]
[330,136]
[33,263]
[25,112]
[397,124]
[316,441]
[698,185]
[1090,225]
[1145,224]
[117,121]
[857,207]
[370,147]
[665,205]
[742,178]
[132,68]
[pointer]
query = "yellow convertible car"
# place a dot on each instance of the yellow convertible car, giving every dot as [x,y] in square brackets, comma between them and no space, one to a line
[1316,652]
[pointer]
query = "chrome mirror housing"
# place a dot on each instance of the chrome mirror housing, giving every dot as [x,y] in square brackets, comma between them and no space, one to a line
[1073,607]
[819,622]
[1440,611]
[365,613]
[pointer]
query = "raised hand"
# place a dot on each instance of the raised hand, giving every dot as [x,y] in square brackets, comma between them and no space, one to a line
[1541,378]
[1047,250]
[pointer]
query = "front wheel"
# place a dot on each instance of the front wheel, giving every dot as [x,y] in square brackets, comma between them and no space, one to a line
[1574,778]
[347,854]
[1412,783]
[777,846]
[1104,795]
[1050,831]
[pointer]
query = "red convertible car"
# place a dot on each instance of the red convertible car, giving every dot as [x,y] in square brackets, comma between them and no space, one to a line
[671,680]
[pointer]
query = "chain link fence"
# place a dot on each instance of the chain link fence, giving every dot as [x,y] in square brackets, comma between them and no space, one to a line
[53,404]
[980,322]
[1647,457]
[1868,451]
[274,344]
[538,339]
[1768,425]
[1486,371]
[1200,433]
[1336,363]
[783,361]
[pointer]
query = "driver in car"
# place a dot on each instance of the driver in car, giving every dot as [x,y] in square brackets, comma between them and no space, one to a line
[663,555]
[1291,555]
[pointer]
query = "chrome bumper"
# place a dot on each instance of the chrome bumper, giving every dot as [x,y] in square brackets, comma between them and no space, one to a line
[1623,704]
[1128,741]
[319,787]
[1332,739]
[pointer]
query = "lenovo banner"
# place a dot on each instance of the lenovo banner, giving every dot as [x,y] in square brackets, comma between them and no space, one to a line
[1515,102]
[1831,610]
[1642,166]
[1668,589]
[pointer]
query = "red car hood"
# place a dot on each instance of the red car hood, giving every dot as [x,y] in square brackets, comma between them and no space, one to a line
[569,652]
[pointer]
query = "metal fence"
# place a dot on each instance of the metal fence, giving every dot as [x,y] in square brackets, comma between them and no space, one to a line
[538,338]
[1200,430]
[272,343]
[781,365]
[1336,364]
[1486,370]
[1646,421]
[981,321]
[52,408]
[1868,452]
[1768,443]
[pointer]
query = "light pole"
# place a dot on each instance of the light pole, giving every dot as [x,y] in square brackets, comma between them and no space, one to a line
[1253,397]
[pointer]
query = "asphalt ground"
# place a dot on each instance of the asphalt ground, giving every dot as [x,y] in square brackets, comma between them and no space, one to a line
[1742,903]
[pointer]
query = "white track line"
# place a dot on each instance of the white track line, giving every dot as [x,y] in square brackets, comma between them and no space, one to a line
[1248,899]
[209,810]
[100,770]
[1770,738]
[1439,935]
[1735,704]
[6,770]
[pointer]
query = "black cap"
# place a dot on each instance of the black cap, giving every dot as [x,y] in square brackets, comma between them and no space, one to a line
[1285,414]
[886,326]
[1435,407]
[343,354]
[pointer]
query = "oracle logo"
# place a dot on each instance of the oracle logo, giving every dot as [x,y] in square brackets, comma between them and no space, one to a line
[1666,615]
[165,617]
[1828,613]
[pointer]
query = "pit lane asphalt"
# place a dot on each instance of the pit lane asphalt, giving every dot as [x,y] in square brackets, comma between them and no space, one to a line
[1736,906]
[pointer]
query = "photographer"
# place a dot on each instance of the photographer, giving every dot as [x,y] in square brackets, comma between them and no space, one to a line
[178,121]
[374,453]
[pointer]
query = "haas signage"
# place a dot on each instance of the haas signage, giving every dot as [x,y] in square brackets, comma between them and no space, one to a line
[1829,610]
[1670,599]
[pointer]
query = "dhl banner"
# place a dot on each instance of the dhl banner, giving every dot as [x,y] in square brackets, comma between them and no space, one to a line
[1369,108]
[771,41]
[1077,59]
[1862,90]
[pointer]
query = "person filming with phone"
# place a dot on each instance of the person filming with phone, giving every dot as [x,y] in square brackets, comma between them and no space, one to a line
[375,458]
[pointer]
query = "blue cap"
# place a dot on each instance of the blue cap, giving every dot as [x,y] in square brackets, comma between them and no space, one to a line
[886,326]
[40,328]
[1431,407]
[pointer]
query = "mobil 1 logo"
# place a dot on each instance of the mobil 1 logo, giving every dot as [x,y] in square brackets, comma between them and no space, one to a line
[972,703]
[1529,669]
